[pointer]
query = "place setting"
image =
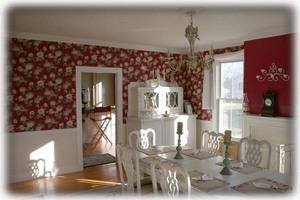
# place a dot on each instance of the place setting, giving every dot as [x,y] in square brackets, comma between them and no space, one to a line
[205,182]
[241,167]
[261,186]
[197,153]
[154,150]
[148,160]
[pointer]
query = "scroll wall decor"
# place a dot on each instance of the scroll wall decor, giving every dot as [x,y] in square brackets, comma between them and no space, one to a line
[274,74]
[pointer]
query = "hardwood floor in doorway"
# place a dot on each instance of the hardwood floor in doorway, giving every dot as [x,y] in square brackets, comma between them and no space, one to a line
[101,148]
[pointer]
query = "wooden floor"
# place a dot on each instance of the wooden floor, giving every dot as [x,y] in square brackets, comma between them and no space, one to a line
[89,178]
[102,147]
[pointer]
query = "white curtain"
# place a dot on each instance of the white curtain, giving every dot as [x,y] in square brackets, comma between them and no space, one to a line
[207,96]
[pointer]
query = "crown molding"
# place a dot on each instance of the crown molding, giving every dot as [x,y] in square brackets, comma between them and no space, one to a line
[236,42]
[53,38]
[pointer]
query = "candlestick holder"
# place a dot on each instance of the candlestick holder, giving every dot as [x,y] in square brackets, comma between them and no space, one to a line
[178,155]
[226,162]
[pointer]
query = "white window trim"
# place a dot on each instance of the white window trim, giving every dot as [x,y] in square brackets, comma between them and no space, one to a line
[227,57]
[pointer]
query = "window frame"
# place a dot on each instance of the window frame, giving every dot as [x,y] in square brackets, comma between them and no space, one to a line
[222,58]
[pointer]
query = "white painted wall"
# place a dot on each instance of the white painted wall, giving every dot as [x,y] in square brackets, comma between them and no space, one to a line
[108,86]
[58,149]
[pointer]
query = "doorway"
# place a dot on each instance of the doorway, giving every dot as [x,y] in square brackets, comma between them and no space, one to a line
[117,109]
[98,113]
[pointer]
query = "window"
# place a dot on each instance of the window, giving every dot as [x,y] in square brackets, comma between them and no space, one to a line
[230,97]
[97,91]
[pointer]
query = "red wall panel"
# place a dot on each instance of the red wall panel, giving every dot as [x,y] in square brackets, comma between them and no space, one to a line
[261,54]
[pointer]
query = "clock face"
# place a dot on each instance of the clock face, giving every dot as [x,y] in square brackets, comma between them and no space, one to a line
[268,102]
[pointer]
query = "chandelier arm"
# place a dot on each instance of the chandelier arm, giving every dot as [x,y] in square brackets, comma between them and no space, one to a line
[191,62]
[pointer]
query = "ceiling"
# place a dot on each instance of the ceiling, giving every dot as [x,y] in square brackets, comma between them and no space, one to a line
[153,27]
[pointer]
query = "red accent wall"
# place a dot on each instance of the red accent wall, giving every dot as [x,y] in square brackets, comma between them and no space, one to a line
[260,54]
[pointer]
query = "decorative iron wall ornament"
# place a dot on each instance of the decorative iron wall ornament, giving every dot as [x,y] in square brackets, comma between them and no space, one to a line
[274,74]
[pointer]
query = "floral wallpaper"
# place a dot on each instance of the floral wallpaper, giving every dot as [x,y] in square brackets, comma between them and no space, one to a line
[42,84]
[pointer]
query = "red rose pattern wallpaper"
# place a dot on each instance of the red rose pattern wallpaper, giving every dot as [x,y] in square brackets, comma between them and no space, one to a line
[42,94]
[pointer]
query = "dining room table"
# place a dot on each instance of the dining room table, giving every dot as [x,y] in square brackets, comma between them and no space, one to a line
[204,169]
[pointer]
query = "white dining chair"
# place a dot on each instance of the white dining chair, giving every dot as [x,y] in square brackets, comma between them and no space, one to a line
[211,141]
[128,163]
[255,152]
[144,138]
[286,158]
[167,175]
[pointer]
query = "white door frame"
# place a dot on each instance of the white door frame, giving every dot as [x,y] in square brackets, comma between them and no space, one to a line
[118,101]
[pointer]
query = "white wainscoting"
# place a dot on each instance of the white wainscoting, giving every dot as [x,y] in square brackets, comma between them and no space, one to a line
[276,130]
[56,150]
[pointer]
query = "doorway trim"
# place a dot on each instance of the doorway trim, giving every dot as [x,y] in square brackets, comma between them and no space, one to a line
[118,101]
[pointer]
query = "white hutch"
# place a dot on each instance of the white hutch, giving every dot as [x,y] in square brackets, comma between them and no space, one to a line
[159,106]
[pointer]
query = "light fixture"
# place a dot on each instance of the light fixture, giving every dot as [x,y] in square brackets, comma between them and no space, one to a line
[191,60]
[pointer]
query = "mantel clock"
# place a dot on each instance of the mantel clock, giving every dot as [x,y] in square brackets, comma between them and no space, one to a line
[269,108]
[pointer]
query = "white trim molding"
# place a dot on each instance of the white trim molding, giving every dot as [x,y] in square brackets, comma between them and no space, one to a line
[282,123]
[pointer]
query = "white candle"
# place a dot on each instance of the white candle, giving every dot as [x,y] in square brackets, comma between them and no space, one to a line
[179,127]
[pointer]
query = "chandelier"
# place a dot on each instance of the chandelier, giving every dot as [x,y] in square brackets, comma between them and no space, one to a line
[191,60]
